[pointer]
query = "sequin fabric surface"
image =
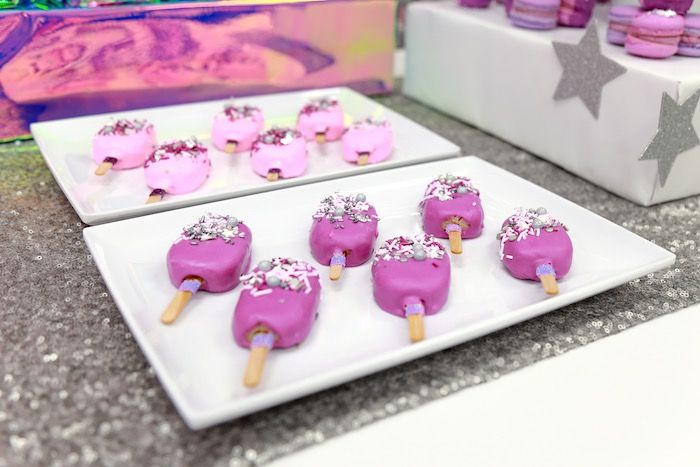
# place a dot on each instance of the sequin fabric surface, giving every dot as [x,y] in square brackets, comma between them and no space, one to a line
[75,388]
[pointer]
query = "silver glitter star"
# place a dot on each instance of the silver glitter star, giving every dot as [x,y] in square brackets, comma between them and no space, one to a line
[675,134]
[585,70]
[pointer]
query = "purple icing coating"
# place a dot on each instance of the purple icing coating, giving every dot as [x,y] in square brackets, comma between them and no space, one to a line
[442,201]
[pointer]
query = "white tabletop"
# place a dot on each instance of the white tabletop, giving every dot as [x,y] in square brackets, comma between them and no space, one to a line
[631,399]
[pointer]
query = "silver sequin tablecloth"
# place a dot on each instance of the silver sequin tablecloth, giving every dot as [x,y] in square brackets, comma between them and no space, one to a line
[75,388]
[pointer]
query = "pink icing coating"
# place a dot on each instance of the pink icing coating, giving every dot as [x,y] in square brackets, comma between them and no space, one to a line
[323,115]
[216,248]
[353,232]
[283,149]
[287,309]
[178,166]
[241,124]
[452,196]
[371,136]
[531,238]
[399,279]
[130,142]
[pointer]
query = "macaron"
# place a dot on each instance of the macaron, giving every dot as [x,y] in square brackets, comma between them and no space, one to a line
[575,13]
[690,40]
[619,20]
[655,34]
[475,3]
[535,14]
[679,6]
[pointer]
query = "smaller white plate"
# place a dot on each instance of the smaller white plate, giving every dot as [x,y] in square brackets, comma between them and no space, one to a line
[201,367]
[66,147]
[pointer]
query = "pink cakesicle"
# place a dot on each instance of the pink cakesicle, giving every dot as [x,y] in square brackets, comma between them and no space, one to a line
[368,141]
[209,255]
[279,153]
[451,208]
[176,167]
[237,127]
[411,278]
[343,232]
[276,309]
[122,144]
[321,119]
[537,247]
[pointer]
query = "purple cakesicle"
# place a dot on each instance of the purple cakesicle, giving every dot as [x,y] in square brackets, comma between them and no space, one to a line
[321,119]
[535,14]
[655,34]
[474,3]
[690,41]
[276,309]
[411,278]
[536,246]
[123,144]
[575,13]
[209,255]
[679,6]
[619,20]
[451,208]
[343,232]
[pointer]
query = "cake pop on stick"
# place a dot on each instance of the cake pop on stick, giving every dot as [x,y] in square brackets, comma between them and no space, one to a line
[176,167]
[368,141]
[236,128]
[411,278]
[321,119]
[343,232]
[276,309]
[451,208]
[279,153]
[122,144]
[210,254]
[536,246]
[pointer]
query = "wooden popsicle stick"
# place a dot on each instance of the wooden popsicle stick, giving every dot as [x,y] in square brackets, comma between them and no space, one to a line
[335,272]
[230,146]
[273,175]
[363,158]
[416,329]
[455,241]
[255,367]
[321,138]
[179,301]
[104,167]
[549,283]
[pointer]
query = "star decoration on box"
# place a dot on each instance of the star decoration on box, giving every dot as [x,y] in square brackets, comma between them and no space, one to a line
[585,70]
[674,135]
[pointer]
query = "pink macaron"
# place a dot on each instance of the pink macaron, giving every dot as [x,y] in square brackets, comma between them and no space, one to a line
[535,14]
[690,40]
[619,20]
[655,34]
[474,3]
[575,13]
[679,6]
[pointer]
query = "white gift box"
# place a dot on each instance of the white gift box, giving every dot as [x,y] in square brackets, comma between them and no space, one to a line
[474,65]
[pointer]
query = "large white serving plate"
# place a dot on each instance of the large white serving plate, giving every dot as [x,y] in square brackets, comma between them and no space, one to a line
[201,367]
[66,145]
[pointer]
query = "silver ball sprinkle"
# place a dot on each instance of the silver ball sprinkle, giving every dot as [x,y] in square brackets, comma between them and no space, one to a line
[272,281]
[538,223]
[233,220]
[265,266]
[450,177]
[268,139]
[360,197]
[419,255]
[461,189]
[541,210]
[339,211]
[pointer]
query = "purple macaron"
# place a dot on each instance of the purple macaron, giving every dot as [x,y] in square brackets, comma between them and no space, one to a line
[535,14]
[619,19]
[679,6]
[655,34]
[690,40]
[474,3]
[575,13]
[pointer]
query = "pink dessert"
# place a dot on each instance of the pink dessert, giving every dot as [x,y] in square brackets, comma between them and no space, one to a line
[176,167]
[279,153]
[679,6]
[368,141]
[321,119]
[619,20]
[411,278]
[690,41]
[451,208]
[655,34]
[343,232]
[123,144]
[276,309]
[237,127]
[575,13]
[536,246]
[209,255]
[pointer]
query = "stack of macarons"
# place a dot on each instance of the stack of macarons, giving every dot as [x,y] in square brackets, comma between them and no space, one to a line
[542,14]
[657,29]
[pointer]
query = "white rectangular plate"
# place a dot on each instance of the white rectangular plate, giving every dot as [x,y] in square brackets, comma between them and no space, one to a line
[200,365]
[66,147]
